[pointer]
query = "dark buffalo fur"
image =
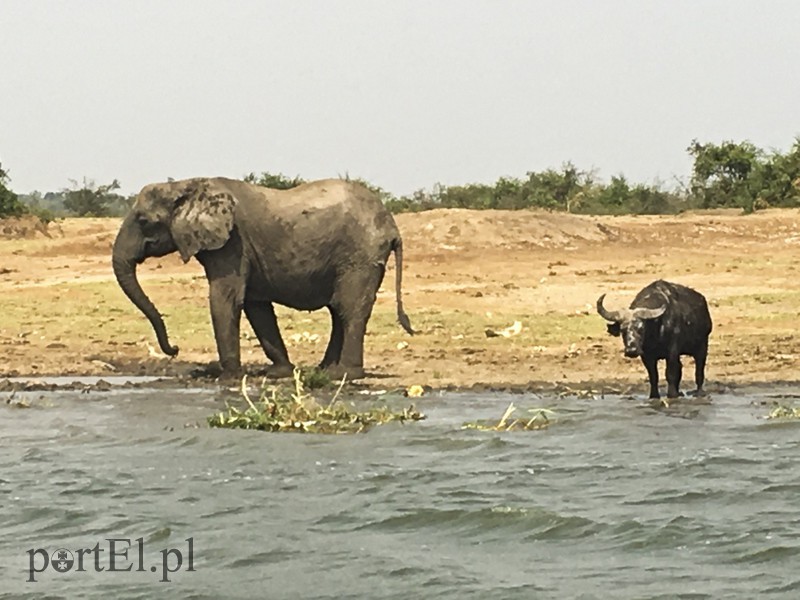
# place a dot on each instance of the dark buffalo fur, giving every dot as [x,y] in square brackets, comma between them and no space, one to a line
[682,329]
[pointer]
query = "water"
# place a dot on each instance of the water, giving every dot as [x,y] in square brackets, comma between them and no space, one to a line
[614,501]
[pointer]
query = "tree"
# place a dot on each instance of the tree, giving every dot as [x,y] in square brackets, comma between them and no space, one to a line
[777,181]
[472,195]
[10,205]
[616,196]
[721,174]
[91,200]
[557,190]
[741,175]
[508,194]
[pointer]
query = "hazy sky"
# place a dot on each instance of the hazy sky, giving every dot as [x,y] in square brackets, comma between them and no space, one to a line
[403,93]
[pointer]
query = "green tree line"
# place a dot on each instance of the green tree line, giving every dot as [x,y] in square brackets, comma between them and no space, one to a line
[725,175]
[85,199]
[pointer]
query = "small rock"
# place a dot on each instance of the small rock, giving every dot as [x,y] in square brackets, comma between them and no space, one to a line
[102,364]
[415,391]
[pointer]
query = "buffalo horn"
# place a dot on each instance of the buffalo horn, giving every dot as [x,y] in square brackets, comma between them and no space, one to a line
[608,315]
[649,313]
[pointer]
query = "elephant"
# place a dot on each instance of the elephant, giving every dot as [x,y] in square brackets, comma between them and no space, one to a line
[323,244]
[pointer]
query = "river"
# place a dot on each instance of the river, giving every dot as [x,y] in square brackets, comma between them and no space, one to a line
[613,500]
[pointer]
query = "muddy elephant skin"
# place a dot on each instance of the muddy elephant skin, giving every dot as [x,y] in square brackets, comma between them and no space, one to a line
[322,244]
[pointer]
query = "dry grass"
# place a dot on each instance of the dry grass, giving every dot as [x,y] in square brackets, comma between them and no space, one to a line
[537,418]
[784,413]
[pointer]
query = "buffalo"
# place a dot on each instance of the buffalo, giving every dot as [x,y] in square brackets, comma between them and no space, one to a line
[665,320]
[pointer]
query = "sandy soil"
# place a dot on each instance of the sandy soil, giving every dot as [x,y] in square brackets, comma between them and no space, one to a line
[465,272]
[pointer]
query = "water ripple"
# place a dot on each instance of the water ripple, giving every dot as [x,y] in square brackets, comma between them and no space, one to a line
[498,520]
[773,553]
[610,501]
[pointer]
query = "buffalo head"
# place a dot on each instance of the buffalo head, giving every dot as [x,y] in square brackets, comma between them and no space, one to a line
[630,323]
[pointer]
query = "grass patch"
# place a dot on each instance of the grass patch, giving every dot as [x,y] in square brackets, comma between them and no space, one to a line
[314,378]
[539,420]
[296,411]
[99,309]
[754,302]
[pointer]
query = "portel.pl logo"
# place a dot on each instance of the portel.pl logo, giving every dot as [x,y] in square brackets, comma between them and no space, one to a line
[120,555]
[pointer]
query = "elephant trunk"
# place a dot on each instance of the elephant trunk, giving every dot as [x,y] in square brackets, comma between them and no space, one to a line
[127,252]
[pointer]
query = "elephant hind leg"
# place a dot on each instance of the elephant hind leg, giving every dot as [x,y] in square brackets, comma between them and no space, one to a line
[333,352]
[351,360]
[353,301]
[262,319]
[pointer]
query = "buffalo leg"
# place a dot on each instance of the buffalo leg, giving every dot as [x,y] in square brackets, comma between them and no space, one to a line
[651,364]
[674,373]
[700,368]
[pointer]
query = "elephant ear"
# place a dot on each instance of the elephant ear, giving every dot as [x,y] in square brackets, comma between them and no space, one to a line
[202,219]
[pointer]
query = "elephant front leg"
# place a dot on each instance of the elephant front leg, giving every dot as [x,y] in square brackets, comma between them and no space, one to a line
[226,312]
[262,318]
[333,352]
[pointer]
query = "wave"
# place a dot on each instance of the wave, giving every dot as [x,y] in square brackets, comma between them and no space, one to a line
[500,521]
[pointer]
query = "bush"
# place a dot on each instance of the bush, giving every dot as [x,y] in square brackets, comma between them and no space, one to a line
[10,205]
[277,181]
[729,174]
[92,200]
[742,176]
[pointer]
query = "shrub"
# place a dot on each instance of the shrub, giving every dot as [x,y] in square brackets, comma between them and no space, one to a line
[10,205]
[277,181]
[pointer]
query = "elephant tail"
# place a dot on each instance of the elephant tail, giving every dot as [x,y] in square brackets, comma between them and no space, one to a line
[402,317]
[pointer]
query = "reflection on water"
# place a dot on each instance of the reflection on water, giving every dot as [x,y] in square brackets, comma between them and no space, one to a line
[614,500]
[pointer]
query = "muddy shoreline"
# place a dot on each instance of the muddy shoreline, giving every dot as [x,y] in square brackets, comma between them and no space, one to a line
[595,388]
[467,276]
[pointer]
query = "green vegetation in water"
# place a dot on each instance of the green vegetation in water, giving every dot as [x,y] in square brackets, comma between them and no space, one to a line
[539,420]
[281,410]
[784,412]
[17,402]
[315,379]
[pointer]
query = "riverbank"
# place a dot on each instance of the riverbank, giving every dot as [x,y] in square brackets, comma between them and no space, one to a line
[498,299]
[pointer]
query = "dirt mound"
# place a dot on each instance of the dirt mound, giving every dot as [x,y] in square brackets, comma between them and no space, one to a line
[27,227]
[95,246]
[453,228]
[84,236]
